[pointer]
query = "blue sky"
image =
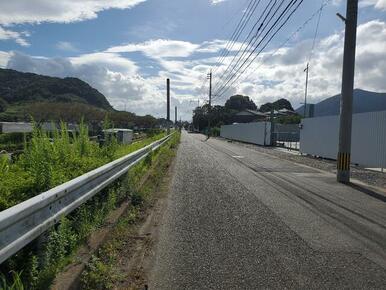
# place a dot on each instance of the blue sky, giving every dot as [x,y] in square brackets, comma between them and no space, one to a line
[126,48]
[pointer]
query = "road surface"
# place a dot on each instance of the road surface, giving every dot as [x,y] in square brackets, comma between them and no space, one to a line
[240,219]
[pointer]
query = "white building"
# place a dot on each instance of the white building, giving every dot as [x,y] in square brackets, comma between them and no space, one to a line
[15,127]
[124,136]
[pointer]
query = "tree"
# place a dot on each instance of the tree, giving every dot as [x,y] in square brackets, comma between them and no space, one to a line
[294,119]
[240,103]
[3,105]
[278,105]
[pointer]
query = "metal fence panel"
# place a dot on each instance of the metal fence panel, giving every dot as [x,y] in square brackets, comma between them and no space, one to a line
[24,222]
[287,132]
[256,133]
[319,137]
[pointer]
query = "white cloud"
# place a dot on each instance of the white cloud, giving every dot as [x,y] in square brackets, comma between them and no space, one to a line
[112,61]
[214,2]
[116,77]
[159,48]
[66,46]
[18,37]
[217,45]
[4,58]
[277,76]
[282,75]
[379,4]
[59,11]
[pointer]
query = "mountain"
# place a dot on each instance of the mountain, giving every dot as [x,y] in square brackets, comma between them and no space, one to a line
[26,95]
[364,101]
[18,88]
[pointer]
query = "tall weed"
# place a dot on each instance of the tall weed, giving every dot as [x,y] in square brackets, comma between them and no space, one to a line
[50,159]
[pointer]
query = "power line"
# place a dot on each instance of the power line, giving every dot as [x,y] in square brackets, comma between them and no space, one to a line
[231,76]
[249,43]
[316,32]
[233,38]
[300,28]
[254,39]
[307,70]
[238,31]
[237,75]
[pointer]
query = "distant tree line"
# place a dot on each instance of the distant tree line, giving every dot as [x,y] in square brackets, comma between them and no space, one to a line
[73,112]
[224,115]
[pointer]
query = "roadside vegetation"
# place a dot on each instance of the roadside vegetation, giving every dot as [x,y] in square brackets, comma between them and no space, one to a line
[11,141]
[105,269]
[52,159]
[47,161]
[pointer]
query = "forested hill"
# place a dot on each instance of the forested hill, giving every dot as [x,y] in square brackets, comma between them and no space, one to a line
[18,88]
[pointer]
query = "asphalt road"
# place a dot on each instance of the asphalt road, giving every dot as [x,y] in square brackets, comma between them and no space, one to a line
[240,219]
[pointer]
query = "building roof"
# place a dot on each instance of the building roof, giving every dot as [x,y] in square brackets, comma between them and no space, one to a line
[250,112]
[116,130]
[282,112]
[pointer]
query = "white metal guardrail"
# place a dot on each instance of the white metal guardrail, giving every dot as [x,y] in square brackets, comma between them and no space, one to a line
[24,222]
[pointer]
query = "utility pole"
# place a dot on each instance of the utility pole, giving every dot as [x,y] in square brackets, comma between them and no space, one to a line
[306,70]
[209,76]
[344,152]
[168,104]
[175,115]
[210,88]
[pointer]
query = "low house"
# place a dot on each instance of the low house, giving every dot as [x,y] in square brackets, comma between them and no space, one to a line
[248,116]
[286,112]
[124,136]
[280,113]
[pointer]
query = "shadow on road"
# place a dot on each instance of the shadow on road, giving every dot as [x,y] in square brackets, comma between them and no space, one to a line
[368,191]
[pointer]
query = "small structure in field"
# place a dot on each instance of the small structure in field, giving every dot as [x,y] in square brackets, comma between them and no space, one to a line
[15,127]
[124,136]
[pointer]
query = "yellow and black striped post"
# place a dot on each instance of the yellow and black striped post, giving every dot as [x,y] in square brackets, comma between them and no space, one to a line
[343,164]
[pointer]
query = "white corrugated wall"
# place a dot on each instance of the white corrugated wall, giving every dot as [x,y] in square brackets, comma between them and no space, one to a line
[256,133]
[319,137]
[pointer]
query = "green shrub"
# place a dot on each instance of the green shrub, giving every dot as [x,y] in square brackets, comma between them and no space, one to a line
[50,159]
[15,284]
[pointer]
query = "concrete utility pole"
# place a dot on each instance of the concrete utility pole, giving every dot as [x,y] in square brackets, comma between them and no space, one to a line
[210,88]
[344,152]
[306,70]
[209,76]
[168,103]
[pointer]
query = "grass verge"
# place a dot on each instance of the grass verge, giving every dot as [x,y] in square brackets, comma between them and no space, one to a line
[36,266]
[109,267]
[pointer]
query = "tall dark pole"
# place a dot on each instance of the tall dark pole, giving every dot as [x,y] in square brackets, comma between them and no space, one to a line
[344,152]
[175,115]
[306,91]
[210,89]
[210,101]
[168,103]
